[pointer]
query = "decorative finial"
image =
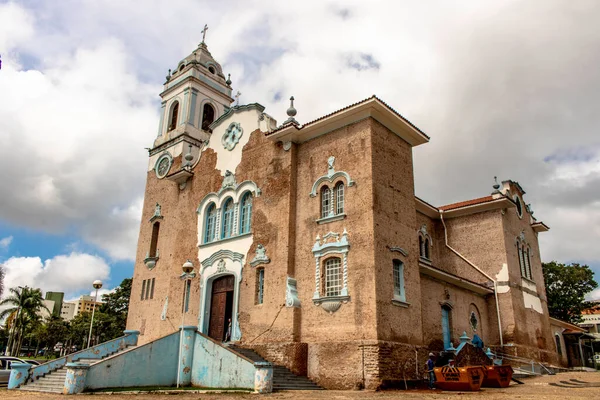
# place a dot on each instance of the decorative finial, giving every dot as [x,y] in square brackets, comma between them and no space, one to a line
[237,96]
[228,81]
[189,157]
[203,34]
[496,186]
[291,112]
[168,77]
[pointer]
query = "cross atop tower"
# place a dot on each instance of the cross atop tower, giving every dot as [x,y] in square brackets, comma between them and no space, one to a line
[204,32]
[237,97]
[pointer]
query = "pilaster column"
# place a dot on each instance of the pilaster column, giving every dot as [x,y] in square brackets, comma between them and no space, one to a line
[317,278]
[187,354]
[18,374]
[75,379]
[345,274]
[263,377]
[162,118]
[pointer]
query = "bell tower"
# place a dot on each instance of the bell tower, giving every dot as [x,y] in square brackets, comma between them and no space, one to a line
[195,94]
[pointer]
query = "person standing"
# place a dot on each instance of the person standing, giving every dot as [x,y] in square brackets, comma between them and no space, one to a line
[430,366]
[228,333]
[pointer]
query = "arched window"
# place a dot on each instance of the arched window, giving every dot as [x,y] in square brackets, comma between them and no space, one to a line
[154,240]
[227,230]
[211,222]
[246,213]
[427,248]
[333,277]
[527,262]
[174,115]
[398,272]
[208,116]
[339,198]
[421,246]
[519,206]
[325,202]
[521,260]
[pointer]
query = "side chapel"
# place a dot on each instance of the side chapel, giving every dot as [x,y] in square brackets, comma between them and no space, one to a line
[310,247]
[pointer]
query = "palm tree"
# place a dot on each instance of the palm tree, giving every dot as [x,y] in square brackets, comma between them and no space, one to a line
[24,306]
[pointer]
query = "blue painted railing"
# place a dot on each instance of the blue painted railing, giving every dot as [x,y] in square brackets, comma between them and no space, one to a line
[96,352]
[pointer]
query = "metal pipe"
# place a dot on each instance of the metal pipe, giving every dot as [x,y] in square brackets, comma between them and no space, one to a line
[181,329]
[480,271]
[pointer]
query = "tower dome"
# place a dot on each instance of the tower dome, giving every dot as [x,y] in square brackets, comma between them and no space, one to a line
[203,60]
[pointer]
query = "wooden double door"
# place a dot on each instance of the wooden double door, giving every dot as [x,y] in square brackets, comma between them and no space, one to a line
[221,308]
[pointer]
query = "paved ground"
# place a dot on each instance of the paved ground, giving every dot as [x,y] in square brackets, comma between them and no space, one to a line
[539,388]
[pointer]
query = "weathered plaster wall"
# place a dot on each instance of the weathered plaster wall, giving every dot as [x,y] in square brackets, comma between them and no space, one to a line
[217,367]
[436,293]
[395,225]
[531,330]
[357,318]
[153,364]
[479,238]
[262,162]
[557,330]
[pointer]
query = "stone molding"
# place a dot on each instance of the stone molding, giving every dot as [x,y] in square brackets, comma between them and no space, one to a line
[260,257]
[330,177]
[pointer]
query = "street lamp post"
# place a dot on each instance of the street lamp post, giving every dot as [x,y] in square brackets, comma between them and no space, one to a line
[188,273]
[97,285]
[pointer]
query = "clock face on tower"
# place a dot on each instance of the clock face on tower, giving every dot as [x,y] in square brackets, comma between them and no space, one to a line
[163,164]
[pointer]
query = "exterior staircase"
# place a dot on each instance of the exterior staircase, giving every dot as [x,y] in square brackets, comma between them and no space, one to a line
[283,378]
[54,381]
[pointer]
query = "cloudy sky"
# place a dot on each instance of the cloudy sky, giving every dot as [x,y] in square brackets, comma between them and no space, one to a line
[506,88]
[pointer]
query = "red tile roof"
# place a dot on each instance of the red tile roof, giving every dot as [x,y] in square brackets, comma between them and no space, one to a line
[466,203]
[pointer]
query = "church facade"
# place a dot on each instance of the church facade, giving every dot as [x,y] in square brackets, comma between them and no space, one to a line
[310,247]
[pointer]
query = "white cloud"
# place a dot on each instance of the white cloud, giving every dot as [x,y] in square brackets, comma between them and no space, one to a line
[593,295]
[69,273]
[5,242]
[498,86]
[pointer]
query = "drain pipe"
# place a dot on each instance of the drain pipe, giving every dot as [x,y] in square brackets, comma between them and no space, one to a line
[482,272]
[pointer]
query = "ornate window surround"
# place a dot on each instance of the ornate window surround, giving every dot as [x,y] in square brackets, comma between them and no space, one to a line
[332,178]
[322,249]
[230,189]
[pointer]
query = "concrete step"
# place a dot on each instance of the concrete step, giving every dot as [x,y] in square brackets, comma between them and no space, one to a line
[26,389]
[283,378]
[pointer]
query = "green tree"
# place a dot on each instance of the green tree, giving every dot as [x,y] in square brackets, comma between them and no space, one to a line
[24,305]
[116,305]
[566,287]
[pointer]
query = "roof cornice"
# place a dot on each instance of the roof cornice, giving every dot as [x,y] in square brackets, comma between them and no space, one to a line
[372,107]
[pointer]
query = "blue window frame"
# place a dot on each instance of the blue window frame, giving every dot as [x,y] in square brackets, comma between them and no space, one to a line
[246,213]
[446,326]
[228,210]
[210,223]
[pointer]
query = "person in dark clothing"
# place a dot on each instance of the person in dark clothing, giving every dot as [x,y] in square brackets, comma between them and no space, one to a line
[430,365]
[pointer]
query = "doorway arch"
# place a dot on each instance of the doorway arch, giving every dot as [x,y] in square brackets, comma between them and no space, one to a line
[221,277]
